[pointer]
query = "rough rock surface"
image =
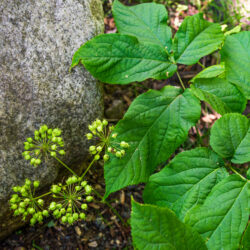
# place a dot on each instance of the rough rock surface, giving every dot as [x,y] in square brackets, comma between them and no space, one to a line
[37,41]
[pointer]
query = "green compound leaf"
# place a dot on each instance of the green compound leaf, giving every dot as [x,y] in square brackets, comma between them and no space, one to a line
[147,22]
[196,38]
[116,58]
[245,243]
[185,181]
[223,217]
[157,228]
[210,72]
[223,96]
[230,138]
[156,123]
[236,55]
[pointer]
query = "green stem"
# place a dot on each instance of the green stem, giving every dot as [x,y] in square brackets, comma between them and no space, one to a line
[198,135]
[201,65]
[66,166]
[42,195]
[113,209]
[179,77]
[242,177]
[86,171]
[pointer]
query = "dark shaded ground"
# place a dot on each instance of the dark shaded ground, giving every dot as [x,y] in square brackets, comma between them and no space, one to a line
[102,228]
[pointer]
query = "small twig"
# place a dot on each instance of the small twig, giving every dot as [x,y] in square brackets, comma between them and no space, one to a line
[201,65]
[182,84]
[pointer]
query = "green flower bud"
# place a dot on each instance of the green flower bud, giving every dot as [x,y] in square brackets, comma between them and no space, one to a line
[63,211]
[36,133]
[16,213]
[13,200]
[32,221]
[122,152]
[49,131]
[118,154]
[21,210]
[40,202]
[109,149]
[52,206]
[89,198]
[74,179]
[99,128]
[106,157]
[27,157]
[75,216]
[22,204]
[97,157]
[70,220]
[45,213]
[29,139]
[38,161]
[53,154]
[88,189]
[31,210]
[33,161]
[56,212]
[77,188]
[64,219]
[84,183]
[105,122]
[40,218]
[82,216]
[54,139]
[92,148]
[43,135]
[59,206]
[13,206]
[59,139]
[53,147]
[62,152]
[114,135]
[84,206]
[89,136]
[36,184]
[27,147]
[69,209]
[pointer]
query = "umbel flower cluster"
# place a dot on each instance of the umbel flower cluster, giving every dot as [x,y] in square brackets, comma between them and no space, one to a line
[25,204]
[46,141]
[70,198]
[100,130]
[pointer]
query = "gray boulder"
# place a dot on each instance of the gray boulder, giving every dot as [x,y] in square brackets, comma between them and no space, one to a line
[37,41]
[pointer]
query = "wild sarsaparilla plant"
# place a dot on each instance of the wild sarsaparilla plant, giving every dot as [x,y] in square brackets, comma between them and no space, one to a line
[200,200]
[69,199]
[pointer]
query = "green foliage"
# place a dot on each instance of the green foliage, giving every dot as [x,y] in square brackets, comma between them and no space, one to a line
[118,58]
[195,202]
[153,134]
[194,196]
[147,22]
[196,38]
[235,53]
[156,228]
[223,217]
[185,181]
[230,138]
[245,243]
[223,96]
